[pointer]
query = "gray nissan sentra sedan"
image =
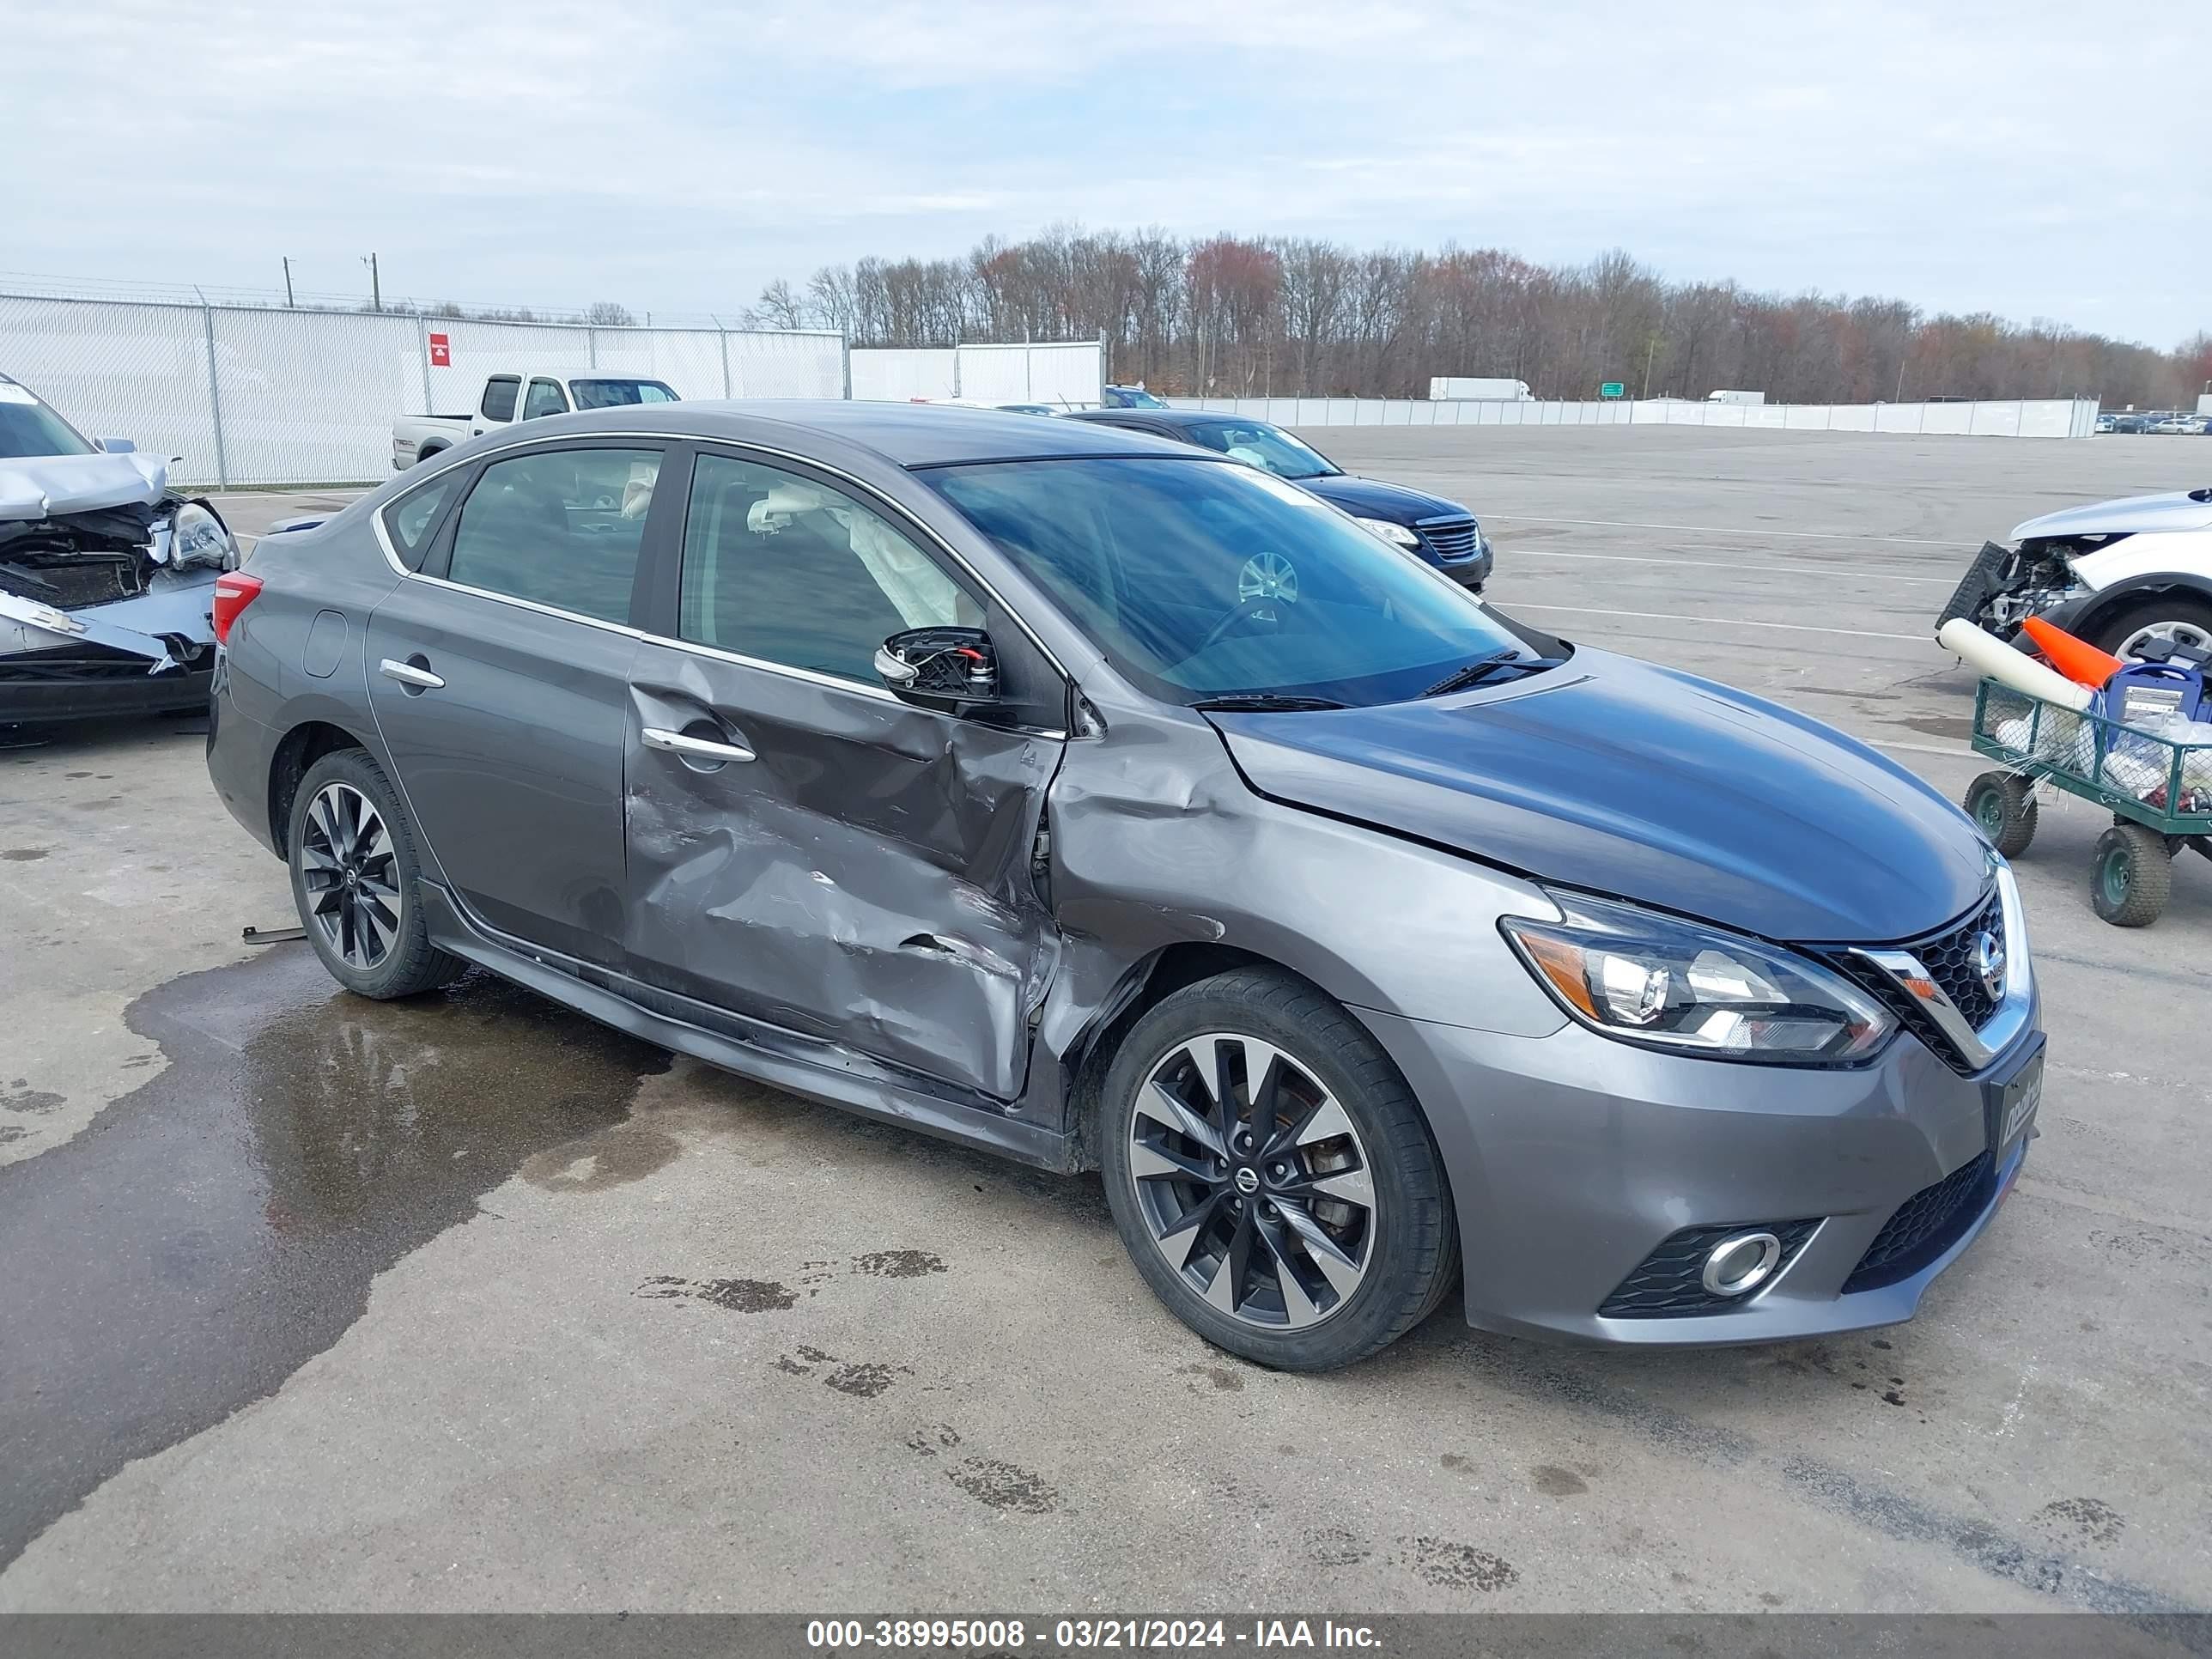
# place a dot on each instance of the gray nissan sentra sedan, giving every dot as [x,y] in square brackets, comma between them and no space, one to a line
[1106,804]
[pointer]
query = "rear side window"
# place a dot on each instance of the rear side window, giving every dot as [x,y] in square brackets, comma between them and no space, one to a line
[779,567]
[411,519]
[546,398]
[616,394]
[499,397]
[559,527]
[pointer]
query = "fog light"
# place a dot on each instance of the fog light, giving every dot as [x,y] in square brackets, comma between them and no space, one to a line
[1740,1263]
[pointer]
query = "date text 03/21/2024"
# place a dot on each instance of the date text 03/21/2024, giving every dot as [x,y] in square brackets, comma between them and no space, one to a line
[1078,1635]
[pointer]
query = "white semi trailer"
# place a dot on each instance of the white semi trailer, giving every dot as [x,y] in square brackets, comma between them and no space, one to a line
[1444,388]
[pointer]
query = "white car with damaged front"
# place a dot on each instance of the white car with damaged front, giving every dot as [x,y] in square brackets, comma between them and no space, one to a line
[2120,574]
[107,575]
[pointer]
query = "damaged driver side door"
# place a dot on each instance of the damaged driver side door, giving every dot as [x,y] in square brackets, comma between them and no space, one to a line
[804,848]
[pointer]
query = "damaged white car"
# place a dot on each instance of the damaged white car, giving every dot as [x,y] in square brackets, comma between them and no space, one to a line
[106,574]
[2120,574]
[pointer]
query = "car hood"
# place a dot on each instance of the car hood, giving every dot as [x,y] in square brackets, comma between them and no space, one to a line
[1370,498]
[43,486]
[2131,516]
[1619,777]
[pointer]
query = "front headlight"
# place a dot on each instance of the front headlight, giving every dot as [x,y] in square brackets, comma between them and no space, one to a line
[1396,534]
[197,537]
[1652,979]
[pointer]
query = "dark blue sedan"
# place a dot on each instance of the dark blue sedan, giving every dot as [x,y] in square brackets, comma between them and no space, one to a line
[1442,533]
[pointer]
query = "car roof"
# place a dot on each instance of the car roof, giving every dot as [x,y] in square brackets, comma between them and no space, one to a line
[906,435]
[1183,419]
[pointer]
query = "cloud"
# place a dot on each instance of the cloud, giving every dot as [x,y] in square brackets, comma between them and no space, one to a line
[678,157]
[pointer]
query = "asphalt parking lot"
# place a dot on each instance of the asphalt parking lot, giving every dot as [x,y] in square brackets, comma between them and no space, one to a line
[316,1303]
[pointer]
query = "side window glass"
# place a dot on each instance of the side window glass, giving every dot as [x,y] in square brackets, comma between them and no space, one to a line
[558,526]
[411,518]
[546,398]
[499,397]
[781,569]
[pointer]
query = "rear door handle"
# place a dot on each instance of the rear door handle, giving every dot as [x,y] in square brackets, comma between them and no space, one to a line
[682,742]
[408,674]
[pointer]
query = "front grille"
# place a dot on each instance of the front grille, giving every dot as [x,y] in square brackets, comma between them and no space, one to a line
[1667,1284]
[1451,539]
[1948,956]
[1949,960]
[1925,1225]
[80,579]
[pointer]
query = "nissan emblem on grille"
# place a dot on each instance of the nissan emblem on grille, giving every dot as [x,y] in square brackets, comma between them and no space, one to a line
[1990,963]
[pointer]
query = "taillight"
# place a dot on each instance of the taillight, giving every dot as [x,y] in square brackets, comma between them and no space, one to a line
[233,590]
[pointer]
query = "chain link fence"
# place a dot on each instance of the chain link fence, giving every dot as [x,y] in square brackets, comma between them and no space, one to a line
[246,395]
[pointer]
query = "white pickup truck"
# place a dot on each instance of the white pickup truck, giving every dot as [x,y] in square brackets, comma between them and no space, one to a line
[520,397]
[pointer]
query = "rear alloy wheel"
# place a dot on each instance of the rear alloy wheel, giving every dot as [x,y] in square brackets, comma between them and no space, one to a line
[1272,1175]
[350,870]
[354,878]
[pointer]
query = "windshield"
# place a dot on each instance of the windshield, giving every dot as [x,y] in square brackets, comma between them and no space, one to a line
[1198,580]
[1257,444]
[28,427]
[1129,396]
[612,394]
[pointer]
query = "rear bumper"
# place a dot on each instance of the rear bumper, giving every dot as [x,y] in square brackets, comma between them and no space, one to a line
[1572,1157]
[240,750]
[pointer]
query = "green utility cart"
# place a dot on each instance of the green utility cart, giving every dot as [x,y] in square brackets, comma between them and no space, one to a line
[2159,792]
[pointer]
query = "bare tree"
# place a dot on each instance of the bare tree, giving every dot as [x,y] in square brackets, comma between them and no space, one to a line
[1303,315]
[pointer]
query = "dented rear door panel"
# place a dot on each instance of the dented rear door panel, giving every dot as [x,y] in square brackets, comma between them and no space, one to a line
[865,879]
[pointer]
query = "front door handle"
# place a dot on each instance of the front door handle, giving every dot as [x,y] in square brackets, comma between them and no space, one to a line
[682,742]
[421,679]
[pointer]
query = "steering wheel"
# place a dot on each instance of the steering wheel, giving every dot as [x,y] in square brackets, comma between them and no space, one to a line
[1245,610]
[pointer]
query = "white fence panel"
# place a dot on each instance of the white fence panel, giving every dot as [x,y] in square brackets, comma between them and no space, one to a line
[121,371]
[1052,372]
[892,373]
[766,363]
[1996,420]
[2050,417]
[309,397]
[689,359]
[997,375]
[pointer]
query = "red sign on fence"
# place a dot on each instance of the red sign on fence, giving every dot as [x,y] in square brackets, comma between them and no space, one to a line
[441,351]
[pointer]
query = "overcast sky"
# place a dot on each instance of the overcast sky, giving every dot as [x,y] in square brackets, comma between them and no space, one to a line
[2032,158]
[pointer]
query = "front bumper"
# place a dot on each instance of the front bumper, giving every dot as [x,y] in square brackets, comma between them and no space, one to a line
[96,689]
[1470,572]
[1572,1157]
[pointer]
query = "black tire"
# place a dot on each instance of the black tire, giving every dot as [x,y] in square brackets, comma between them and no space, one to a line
[2002,807]
[408,964]
[2129,877]
[430,454]
[1412,1260]
[2127,621]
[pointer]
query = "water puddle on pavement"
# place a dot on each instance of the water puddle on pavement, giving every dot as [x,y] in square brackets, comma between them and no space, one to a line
[218,1226]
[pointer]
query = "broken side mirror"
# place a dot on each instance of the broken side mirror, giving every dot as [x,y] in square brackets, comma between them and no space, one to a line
[115,446]
[952,669]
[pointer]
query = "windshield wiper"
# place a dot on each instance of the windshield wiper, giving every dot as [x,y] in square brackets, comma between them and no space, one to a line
[1483,667]
[1265,703]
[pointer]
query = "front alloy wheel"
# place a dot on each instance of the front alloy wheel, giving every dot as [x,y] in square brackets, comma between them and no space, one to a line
[1253,1182]
[349,867]
[1272,1175]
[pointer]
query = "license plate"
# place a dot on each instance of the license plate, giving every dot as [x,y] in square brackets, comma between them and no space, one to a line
[2010,1105]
